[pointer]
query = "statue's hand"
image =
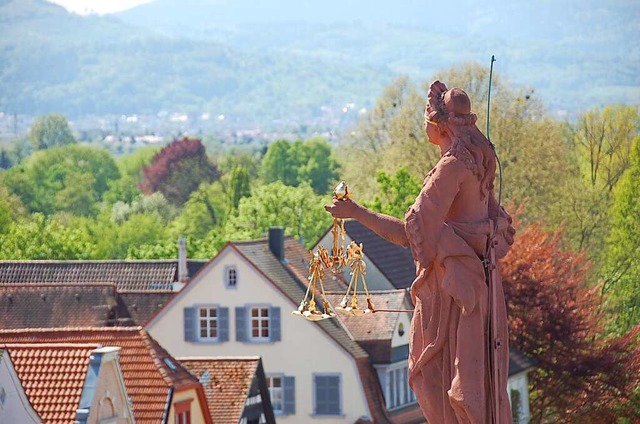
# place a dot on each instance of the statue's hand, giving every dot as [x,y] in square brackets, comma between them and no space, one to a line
[342,208]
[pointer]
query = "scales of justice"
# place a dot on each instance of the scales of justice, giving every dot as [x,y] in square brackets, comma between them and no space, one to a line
[321,261]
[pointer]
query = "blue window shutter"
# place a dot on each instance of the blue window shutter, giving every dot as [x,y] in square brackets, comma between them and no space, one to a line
[223,324]
[190,325]
[274,323]
[241,324]
[327,395]
[289,395]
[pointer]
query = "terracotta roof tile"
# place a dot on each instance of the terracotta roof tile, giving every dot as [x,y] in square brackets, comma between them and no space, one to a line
[126,274]
[52,376]
[140,306]
[226,383]
[147,375]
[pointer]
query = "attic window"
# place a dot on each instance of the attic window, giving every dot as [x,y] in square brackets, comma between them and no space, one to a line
[231,277]
[401,329]
[170,364]
[205,378]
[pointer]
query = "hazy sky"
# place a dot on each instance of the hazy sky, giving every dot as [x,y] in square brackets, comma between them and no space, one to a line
[98,6]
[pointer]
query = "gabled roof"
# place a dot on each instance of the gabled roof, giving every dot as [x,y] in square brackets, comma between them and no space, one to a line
[125,274]
[46,305]
[149,371]
[52,376]
[394,262]
[226,382]
[287,278]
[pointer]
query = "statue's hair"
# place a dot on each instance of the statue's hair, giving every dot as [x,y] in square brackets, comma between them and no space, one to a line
[452,109]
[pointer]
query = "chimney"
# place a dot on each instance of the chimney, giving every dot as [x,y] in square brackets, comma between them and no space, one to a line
[183,273]
[276,242]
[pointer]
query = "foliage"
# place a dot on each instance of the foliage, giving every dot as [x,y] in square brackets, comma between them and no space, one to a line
[601,140]
[152,204]
[178,169]
[45,238]
[310,161]
[534,159]
[556,319]
[50,131]
[396,193]
[70,178]
[11,208]
[622,267]
[298,209]
[206,209]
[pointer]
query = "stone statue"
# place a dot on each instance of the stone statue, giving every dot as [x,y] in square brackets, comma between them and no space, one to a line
[458,360]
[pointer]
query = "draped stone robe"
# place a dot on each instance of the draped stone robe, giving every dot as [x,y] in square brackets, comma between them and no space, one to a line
[449,366]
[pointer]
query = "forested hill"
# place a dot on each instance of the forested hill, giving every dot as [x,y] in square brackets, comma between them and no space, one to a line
[53,61]
[293,60]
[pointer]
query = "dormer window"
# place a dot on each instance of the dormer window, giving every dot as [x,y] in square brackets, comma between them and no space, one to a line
[231,277]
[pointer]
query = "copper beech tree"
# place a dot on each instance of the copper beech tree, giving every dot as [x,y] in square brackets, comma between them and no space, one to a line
[178,169]
[581,375]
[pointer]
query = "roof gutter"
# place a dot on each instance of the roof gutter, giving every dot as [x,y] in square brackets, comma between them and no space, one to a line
[167,407]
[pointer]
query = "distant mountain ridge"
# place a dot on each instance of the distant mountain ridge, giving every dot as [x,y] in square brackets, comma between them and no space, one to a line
[288,62]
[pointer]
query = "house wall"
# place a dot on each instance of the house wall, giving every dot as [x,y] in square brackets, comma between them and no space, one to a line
[404,320]
[14,405]
[374,278]
[197,416]
[110,399]
[304,348]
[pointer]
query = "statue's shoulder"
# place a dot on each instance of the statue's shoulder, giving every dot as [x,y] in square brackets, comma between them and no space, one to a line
[460,157]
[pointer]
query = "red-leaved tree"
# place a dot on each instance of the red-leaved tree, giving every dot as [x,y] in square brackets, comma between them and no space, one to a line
[178,169]
[581,375]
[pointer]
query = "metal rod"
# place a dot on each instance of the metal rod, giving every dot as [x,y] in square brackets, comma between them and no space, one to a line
[393,310]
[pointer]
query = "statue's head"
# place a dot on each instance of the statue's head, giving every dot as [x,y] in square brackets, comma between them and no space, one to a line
[452,106]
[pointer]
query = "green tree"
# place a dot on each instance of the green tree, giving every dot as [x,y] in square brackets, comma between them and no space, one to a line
[47,173]
[206,208]
[601,140]
[45,238]
[50,131]
[622,251]
[396,193]
[11,208]
[279,165]
[239,185]
[298,209]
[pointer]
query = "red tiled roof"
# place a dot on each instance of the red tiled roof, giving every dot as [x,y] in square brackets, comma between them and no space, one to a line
[126,274]
[140,306]
[149,371]
[52,376]
[227,385]
[374,326]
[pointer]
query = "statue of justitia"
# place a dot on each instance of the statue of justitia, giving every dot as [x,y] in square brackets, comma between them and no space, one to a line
[456,230]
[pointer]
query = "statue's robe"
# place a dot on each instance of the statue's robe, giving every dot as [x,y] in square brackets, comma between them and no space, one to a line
[449,361]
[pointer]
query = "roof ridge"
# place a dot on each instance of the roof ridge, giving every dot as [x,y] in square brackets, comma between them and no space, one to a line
[64,284]
[89,261]
[219,358]
[70,329]
[50,345]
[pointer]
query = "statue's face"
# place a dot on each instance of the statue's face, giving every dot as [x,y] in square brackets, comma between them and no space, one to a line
[432,132]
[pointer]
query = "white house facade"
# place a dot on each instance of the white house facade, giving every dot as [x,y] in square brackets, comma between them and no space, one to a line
[240,304]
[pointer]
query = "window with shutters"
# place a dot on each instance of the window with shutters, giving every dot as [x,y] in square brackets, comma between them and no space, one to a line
[282,391]
[327,394]
[206,324]
[258,324]
[276,393]
[259,328]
